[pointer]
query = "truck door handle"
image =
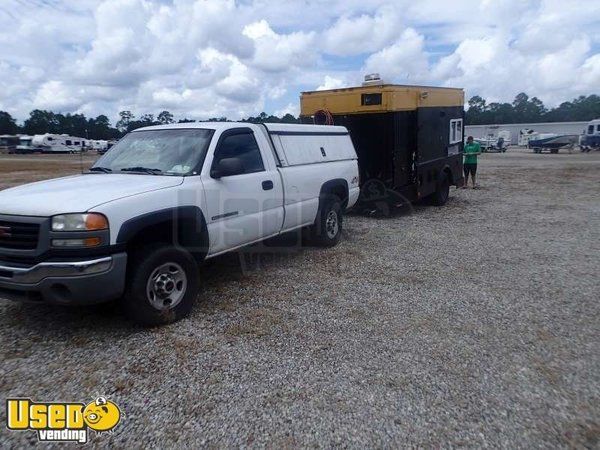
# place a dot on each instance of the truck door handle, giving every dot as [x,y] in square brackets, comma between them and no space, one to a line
[267,185]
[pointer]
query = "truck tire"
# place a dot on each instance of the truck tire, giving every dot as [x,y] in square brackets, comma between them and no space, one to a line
[442,192]
[327,230]
[162,285]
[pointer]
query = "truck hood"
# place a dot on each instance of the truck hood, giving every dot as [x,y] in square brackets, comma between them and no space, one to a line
[78,193]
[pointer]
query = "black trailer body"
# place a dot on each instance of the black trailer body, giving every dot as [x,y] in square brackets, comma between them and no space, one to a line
[409,139]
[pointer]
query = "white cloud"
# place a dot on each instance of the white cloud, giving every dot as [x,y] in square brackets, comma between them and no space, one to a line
[290,108]
[404,61]
[55,95]
[277,53]
[364,33]
[206,58]
[331,83]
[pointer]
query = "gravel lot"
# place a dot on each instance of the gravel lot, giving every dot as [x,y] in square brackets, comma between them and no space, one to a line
[473,324]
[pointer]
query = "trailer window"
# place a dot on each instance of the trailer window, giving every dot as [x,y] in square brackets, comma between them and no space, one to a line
[68,142]
[371,99]
[598,128]
[456,131]
[591,129]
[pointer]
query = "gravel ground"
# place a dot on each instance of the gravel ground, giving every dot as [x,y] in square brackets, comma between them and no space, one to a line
[473,324]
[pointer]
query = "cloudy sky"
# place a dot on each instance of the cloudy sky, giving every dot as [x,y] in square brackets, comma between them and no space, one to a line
[206,58]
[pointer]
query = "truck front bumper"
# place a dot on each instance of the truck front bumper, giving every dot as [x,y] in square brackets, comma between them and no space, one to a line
[79,282]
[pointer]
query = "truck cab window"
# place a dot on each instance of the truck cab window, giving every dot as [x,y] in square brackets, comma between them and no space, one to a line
[244,147]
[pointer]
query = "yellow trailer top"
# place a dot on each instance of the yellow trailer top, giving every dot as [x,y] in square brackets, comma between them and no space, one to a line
[379,98]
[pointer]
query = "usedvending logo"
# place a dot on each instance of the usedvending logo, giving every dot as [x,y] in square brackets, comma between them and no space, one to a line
[61,421]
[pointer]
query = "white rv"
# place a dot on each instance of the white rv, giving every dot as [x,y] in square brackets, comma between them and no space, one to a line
[25,145]
[58,143]
[99,145]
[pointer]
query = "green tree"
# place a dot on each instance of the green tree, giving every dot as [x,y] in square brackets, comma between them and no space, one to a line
[100,128]
[72,124]
[476,113]
[288,118]
[41,122]
[8,125]
[165,117]
[125,118]
[145,121]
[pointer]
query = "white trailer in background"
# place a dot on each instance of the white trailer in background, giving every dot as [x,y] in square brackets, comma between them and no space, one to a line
[558,128]
[58,143]
[25,145]
[99,145]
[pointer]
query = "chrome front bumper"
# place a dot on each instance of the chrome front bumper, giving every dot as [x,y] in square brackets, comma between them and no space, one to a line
[67,282]
[37,273]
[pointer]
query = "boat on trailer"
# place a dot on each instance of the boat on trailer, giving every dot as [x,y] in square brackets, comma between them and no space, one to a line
[553,142]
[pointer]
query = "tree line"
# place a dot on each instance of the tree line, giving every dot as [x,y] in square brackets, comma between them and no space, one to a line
[525,109]
[41,121]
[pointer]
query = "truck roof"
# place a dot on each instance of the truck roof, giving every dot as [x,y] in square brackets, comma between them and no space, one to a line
[273,128]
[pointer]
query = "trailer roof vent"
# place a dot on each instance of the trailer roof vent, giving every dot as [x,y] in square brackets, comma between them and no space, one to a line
[372,79]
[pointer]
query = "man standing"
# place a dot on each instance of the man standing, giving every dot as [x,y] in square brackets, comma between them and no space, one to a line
[472,149]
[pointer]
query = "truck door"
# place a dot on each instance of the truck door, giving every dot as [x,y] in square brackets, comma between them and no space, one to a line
[247,206]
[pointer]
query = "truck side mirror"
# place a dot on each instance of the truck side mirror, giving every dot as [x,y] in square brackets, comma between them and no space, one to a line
[227,167]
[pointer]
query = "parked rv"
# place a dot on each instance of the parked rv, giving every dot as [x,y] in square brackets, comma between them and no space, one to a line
[98,145]
[8,143]
[409,139]
[25,145]
[166,198]
[591,137]
[58,143]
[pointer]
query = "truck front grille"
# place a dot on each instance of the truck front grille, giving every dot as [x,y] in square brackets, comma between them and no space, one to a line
[19,235]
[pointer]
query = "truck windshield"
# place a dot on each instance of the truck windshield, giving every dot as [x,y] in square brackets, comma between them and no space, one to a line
[157,152]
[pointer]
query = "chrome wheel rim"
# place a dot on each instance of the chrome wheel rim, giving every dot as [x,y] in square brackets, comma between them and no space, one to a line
[166,286]
[332,224]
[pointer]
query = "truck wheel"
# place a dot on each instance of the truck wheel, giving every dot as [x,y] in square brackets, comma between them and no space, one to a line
[162,285]
[327,230]
[442,192]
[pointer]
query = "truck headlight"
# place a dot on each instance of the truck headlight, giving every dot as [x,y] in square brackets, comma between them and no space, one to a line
[79,222]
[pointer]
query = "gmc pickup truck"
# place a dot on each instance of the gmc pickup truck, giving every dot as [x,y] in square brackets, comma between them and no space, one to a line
[137,225]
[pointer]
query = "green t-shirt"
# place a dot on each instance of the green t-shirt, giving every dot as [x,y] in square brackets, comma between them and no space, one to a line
[472,148]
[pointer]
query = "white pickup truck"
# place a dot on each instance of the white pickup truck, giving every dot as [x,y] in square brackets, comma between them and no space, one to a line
[162,200]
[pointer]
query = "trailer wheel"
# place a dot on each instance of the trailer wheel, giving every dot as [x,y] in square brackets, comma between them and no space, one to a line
[162,285]
[327,230]
[442,192]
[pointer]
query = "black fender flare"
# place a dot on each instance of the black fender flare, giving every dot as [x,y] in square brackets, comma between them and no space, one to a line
[189,225]
[337,186]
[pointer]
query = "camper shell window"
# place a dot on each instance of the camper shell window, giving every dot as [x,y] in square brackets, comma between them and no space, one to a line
[371,99]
